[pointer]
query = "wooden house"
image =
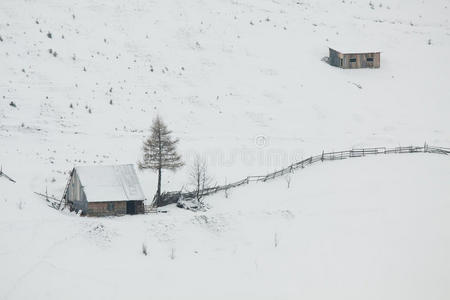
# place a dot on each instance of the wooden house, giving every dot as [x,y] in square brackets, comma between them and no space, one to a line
[354,60]
[104,191]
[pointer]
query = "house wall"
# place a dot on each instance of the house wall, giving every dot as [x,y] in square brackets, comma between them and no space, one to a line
[334,58]
[114,208]
[361,60]
[100,209]
[140,209]
[75,195]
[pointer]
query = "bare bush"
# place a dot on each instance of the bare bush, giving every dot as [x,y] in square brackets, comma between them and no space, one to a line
[200,178]
[144,249]
[288,180]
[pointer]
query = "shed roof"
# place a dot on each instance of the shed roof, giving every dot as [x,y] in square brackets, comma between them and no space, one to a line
[110,183]
[353,50]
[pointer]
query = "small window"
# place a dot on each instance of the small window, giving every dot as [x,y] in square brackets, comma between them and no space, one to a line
[110,206]
[352,60]
[370,59]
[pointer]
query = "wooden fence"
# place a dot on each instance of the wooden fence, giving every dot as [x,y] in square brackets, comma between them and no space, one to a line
[172,197]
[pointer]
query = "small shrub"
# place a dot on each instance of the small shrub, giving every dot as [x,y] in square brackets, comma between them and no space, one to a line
[49,35]
[288,180]
[12,104]
[144,249]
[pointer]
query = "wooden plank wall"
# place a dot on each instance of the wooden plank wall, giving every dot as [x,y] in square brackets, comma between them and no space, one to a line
[101,208]
[334,58]
[75,194]
[361,60]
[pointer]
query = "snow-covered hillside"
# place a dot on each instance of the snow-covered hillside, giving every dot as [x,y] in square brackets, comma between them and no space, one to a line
[347,230]
[243,84]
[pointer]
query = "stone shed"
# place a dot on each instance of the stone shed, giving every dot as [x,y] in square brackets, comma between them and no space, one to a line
[104,191]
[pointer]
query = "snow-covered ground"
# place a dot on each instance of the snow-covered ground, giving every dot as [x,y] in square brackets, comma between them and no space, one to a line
[243,84]
[373,228]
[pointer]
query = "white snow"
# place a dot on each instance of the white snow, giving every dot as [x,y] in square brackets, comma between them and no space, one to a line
[374,227]
[347,49]
[243,84]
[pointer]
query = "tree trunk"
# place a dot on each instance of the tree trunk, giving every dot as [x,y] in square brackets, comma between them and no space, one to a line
[158,192]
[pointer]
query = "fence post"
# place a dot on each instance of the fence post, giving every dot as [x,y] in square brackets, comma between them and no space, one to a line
[322,156]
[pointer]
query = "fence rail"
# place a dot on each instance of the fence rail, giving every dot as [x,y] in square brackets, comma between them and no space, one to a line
[172,197]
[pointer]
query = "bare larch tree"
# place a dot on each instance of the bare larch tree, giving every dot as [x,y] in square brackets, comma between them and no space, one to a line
[159,152]
[200,178]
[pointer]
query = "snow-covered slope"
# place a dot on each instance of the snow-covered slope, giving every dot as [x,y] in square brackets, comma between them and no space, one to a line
[243,84]
[373,228]
[224,73]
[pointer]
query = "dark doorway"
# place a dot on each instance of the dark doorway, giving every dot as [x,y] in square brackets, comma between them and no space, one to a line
[131,207]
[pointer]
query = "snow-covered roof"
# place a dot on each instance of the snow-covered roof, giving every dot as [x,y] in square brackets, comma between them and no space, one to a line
[110,183]
[346,49]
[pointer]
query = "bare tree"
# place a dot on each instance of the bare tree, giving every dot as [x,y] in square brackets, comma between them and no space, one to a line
[159,153]
[200,178]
